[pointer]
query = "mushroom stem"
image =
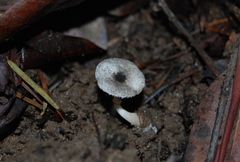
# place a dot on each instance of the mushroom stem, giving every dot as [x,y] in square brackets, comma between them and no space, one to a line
[132,118]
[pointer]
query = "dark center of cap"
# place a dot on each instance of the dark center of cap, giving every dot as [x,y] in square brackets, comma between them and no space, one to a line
[120,77]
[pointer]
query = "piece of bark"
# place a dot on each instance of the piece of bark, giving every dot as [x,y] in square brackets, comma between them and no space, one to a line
[231,116]
[202,129]
[10,107]
[211,115]
[8,83]
[7,121]
[25,12]
[50,46]
[233,152]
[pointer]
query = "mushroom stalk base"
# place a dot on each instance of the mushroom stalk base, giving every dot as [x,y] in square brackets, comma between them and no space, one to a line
[132,118]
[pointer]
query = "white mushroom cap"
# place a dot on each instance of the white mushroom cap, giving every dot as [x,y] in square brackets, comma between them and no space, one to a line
[119,77]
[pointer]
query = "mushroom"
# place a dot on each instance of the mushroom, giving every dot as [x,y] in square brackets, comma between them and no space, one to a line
[121,79]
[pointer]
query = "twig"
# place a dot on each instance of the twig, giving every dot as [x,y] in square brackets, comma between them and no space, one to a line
[163,78]
[43,81]
[28,100]
[55,85]
[216,30]
[98,136]
[32,84]
[210,27]
[38,89]
[60,112]
[216,22]
[177,55]
[168,85]
[193,42]
[31,92]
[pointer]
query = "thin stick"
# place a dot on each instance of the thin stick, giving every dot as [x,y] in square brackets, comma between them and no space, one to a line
[216,30]
[43,81]
[28,100]
[177,55]
[163,78]
[193,42]
[32,83]
[168,85]
[98,137]
[220,21]
[45,87]
[38,89]
[31,92]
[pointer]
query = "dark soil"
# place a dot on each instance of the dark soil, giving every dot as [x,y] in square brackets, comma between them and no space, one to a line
[97,132]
